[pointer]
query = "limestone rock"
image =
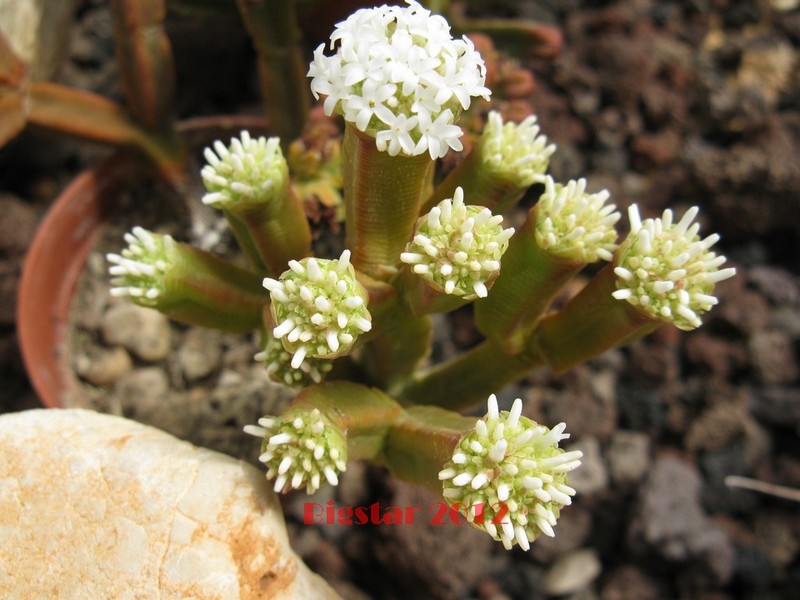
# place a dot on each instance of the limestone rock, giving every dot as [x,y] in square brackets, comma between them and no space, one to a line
[95,506]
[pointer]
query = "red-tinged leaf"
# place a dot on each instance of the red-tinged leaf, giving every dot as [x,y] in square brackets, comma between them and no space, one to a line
[91,117]
[13,83]
[144,58]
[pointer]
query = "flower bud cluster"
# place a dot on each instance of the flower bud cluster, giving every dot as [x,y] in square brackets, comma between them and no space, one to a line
[319,307]
[399,76]
[457,247]
[248,171]
[137,273]
[301,449]
[277,361]
[516,150]
[575,224]
[666,270]
[509,460]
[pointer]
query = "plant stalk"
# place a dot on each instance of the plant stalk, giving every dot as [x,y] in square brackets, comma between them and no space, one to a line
[382,200]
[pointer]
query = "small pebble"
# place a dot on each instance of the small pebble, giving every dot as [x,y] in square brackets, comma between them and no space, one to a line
[104,366]
[572,572]
[143,331]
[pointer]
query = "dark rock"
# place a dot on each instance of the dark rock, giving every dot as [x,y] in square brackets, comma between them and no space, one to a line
[591,478]
[717,427]
[742,310]
[417,560]
[716,466]
[327,560]
[628,457]
[670,521]
[655,150]
[586,404]
[717,356]
[779,286]
[773,357]
[17,225]
[574,526]
[629,583]
[753,569]
[653,363]
[640,409]
[779,541]
[777,405]
[524,581]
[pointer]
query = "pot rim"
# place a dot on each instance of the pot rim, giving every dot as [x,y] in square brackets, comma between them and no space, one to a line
[58,253]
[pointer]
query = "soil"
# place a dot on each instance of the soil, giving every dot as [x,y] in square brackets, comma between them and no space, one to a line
[666,104]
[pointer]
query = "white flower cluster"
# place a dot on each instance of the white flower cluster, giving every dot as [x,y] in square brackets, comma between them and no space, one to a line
[575,224]
[302,450]
[516,150]
[458,247]
[277,361]
[247,171]
[399,76]
[319,307]
[137,274]
[510,469]
[666,270]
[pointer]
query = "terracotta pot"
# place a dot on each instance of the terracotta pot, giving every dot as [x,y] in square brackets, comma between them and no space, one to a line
[61,246]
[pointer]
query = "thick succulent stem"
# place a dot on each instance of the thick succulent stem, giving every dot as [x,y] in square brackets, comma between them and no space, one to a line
[187,284]
[484,188]
[144,57]
[529,278]
[591,323]
[421,442]
[382,194]
[276,36]
[462,382]
[364,413]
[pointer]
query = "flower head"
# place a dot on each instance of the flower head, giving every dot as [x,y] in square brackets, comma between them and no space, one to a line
[458,247]
[575,224]
[666,270]
[278,362]
[138,271]
[400,76]
[319,307]
[301,449]
[508,460]
[249,170]
[516,151]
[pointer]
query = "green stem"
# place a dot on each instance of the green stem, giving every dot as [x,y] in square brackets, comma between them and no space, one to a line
[468,379]
[401,342]
[273,27]
[278,229]
[382,200]
[591,323]
[201,289]
[481,186]
[420,443]
[364,414]
[528,280]
[245,241]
